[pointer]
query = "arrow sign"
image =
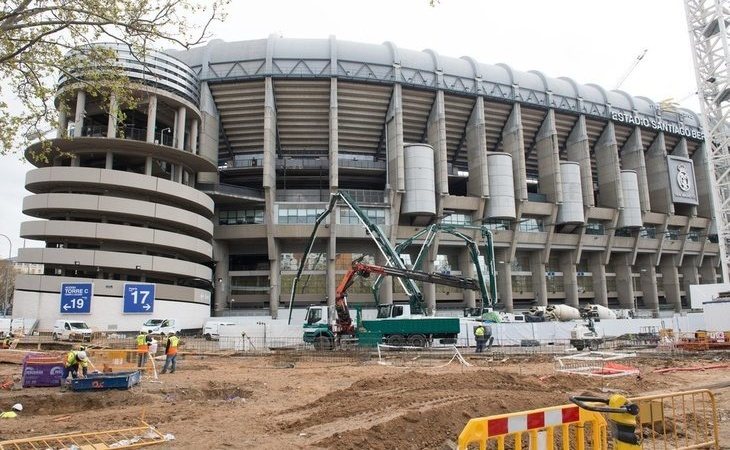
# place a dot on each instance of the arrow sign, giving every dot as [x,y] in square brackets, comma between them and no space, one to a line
[139,298]
[76,298]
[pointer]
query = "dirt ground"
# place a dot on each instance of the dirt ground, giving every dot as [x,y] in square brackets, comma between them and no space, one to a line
[281,402]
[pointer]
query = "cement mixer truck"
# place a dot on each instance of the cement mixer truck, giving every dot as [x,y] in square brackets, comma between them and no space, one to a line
[597,312]
[560,313]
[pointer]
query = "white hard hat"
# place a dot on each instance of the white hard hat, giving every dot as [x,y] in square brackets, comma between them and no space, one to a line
[18,407]
[81,355]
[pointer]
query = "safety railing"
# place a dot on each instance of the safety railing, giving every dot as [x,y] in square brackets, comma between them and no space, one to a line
[566,427]
[675,421]
[682,420]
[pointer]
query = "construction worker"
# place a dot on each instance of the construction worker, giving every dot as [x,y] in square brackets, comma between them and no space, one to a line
[13,413]
[480,335]
[75,359]
[143,347]
[171,352]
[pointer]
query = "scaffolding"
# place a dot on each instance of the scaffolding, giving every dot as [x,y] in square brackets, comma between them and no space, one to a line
[708,22]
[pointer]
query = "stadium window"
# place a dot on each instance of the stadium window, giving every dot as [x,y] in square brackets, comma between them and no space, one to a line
[531,225]
[648,232]
[595,228]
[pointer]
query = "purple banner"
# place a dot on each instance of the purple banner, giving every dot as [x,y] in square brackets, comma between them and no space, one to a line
[42,374]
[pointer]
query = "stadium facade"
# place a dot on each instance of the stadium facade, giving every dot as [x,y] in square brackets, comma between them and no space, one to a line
[210,186]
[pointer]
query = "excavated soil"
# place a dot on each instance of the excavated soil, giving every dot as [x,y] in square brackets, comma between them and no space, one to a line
[262,403]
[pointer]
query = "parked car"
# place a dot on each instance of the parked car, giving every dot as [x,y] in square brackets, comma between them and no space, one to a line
[161,326]
[71,330]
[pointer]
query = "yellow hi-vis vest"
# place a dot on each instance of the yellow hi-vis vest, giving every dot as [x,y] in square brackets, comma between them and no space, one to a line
[142,343]
[479,332]
[9,415]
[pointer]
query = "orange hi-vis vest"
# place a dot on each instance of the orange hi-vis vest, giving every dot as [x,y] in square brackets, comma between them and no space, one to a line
[172,345]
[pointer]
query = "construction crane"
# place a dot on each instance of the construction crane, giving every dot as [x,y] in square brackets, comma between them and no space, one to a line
[631,68]
[708,22]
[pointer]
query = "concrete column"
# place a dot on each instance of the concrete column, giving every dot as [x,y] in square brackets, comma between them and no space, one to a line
[429,289]
[707,270]
[152,119]
[570,277]
[539,284]
[75,161]
[632,158]
[624,283]
[394,142]
[180,128]
[331,268]
[703,178]
[578,150]
[598,271]
[109,165]
[608,170]
[62,123]
[177,175]
[690,273]
[386,287]
[148,166]
[670,281]
[274,279]
[269,159]
[648,283]
[513,143]
[504,278]
[467,270]
[269,185]
[334,137]
[548,159]
[221,278]
[334,182]
[80,113]
[658,176]
[111,129]
[476,149]
[194,136]
[436,137]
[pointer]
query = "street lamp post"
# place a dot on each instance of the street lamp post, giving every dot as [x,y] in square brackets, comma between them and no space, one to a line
[7,276]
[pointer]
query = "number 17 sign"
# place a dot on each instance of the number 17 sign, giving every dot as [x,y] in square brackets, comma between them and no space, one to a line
[139,298]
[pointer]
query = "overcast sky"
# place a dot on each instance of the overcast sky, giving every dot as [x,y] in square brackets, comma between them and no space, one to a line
[589,41]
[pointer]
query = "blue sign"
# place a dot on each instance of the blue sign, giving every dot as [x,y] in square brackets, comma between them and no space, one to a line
[76,298]
[139,298]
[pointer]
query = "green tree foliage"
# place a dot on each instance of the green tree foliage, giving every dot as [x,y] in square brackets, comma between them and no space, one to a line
[42,39]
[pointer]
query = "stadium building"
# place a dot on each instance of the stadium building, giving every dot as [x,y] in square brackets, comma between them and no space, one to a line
[209,188]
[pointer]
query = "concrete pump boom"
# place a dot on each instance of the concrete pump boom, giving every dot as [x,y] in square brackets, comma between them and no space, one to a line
[392,257]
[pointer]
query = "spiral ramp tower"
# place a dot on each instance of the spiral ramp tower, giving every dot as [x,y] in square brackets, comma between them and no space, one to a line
[116,202]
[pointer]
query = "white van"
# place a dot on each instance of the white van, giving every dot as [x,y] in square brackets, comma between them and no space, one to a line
[211,329]
[71,330]
[161,326]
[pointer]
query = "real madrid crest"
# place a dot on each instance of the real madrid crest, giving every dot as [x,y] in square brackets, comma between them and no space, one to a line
[682,178]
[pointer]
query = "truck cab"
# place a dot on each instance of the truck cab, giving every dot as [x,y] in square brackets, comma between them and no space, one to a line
[71,330]
[390,311]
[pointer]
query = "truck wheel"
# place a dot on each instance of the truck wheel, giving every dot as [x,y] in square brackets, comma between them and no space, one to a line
[322,343]
[55,337]
[208,337]
[396,340]
[579,347]
[417,340]
[593,345]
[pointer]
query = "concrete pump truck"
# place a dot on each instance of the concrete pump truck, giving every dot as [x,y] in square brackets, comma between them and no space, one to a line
[395,324]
